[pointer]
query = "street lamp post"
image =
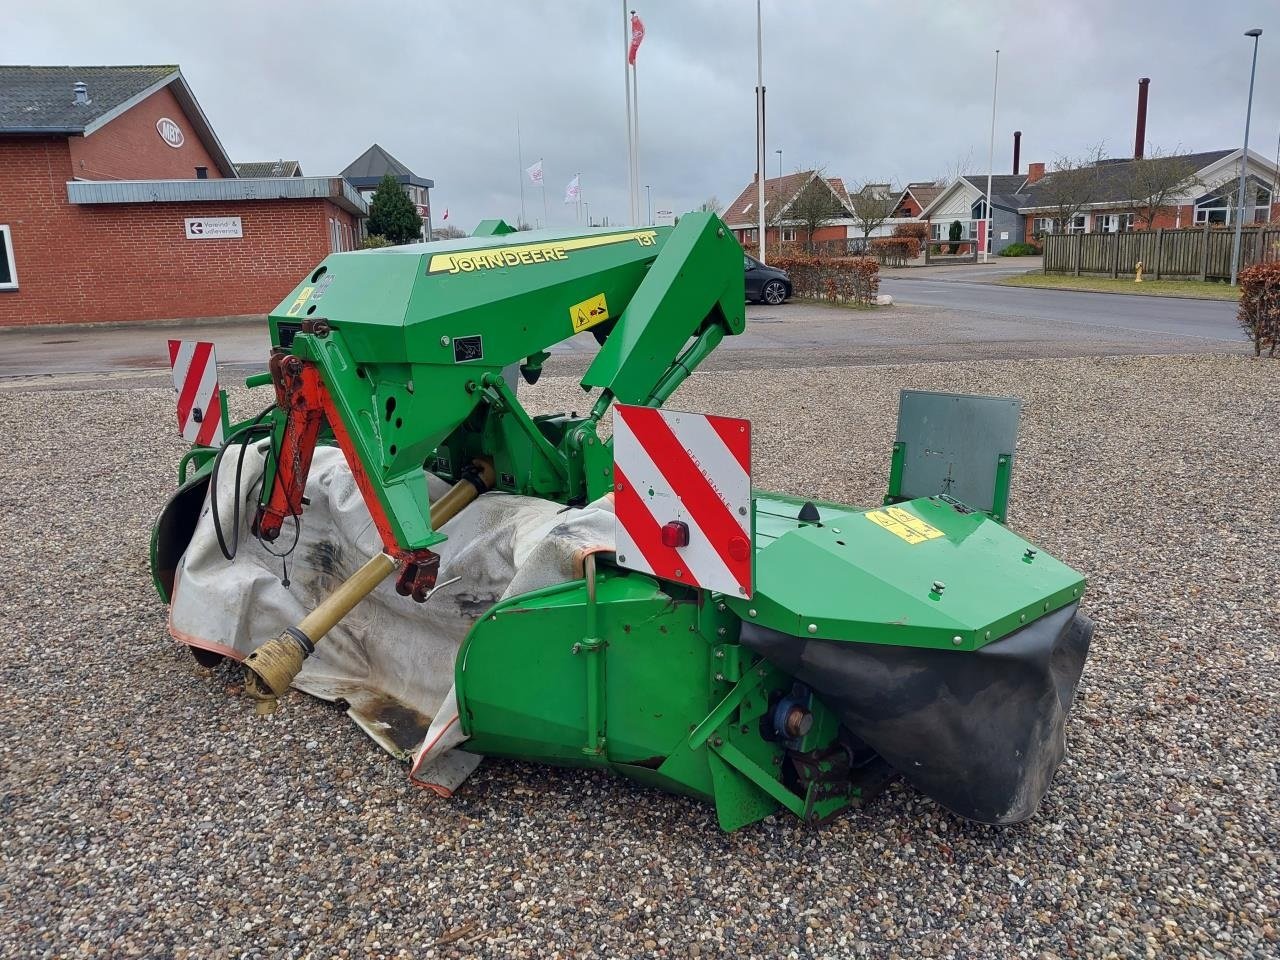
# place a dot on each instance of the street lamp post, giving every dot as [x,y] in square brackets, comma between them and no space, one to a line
[779,153]
[760,154]
[586,207]
[648,199]
[1244,158]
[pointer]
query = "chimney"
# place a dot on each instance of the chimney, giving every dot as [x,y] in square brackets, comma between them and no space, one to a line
[1140,136]
[82,92]
[1017,150]
[1035,171]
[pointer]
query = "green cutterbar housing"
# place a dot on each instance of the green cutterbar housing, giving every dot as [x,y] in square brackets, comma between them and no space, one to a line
[920,636]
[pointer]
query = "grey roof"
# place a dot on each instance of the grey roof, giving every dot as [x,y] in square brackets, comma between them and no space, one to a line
[38,99]
[41,100]
[1005,188]
[1114,176]
[335,189]
[269,168]
[375,163]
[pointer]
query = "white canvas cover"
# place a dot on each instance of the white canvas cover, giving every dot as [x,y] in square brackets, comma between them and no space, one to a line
[391,659]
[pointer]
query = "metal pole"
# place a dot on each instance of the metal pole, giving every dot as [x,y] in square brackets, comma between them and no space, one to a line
[991,160]
[635,120]
[586,206]
[760,124]
[779,153]
[1244,159]
[626,72]
[648,199]
[520,162]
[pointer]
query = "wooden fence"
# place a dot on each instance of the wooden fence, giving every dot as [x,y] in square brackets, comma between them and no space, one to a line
[1200,253]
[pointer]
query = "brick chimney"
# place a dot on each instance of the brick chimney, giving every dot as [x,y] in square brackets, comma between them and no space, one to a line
[1017,150]
[1035,171]
[1140,134]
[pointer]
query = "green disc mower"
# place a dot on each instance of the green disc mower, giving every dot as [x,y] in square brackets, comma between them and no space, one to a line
[760,651]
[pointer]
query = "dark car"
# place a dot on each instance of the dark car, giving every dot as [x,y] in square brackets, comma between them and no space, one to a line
[766,284]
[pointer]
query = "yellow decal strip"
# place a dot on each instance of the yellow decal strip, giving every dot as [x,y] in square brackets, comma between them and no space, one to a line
[297,304]
[588,313]
[903,524]
[492,257]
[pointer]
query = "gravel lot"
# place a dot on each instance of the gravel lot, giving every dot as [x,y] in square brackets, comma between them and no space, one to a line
[146,811]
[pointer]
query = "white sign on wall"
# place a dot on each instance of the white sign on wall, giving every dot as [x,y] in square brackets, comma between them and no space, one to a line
[1004,234]
[213,228]
[664,218]
[170,132]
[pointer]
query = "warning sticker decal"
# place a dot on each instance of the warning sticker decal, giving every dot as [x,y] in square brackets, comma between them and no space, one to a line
[903,524]
[297,304]
[588,313]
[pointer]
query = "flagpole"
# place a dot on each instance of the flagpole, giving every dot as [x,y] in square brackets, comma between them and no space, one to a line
[991,160]
[546,218]
[760,172]
[578,177]
[635,120]
[626,73]
[523,173]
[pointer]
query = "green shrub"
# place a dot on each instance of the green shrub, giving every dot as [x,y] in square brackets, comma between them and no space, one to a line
[1018,250]
[853,280]
[373,241]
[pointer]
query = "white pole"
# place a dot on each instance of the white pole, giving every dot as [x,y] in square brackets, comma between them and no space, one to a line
[760,124]
[991,161]
[546,218]
[1244,159]
[520,161]
[626,72]
[635,140]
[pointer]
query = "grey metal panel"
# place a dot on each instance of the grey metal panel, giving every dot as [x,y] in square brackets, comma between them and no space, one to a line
[176,191]
[952,443]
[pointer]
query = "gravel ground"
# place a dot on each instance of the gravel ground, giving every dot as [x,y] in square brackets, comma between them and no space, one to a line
[146,811]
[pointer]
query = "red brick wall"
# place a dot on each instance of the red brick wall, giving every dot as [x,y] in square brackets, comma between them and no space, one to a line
[85,263]
[129,148]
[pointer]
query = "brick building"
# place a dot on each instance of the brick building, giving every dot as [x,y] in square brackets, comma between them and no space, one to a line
[118,202]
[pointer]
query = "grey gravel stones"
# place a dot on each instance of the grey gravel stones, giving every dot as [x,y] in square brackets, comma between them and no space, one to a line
[146,811]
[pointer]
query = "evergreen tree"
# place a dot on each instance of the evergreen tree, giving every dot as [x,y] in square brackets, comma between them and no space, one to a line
[392,214]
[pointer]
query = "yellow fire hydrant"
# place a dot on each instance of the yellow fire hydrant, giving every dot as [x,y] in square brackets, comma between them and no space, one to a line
[1137,278]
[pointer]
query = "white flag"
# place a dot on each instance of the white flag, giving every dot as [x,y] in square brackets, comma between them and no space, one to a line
[535,173]
[572,190]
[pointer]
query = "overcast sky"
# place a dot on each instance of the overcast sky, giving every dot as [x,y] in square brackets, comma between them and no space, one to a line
[870,89]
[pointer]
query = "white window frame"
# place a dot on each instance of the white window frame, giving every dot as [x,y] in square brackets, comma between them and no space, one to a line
[1044,226]
[8,252]
[788,234]
[1106,222]
[1079,223]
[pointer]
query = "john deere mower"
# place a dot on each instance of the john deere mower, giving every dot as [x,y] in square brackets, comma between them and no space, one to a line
[395,532]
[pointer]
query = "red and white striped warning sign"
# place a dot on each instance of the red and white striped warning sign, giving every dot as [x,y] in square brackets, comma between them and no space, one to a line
[195,378]
[682,496]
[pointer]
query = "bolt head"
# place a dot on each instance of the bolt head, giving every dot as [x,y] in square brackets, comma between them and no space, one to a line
[444,341]
[938,586]
[957,640]
[813,628]
[751,612]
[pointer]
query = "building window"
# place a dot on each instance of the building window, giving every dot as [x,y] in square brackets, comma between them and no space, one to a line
[1043,225]
[1106,222]
[788,234]
[1079,223]
[202,173]
[8,272]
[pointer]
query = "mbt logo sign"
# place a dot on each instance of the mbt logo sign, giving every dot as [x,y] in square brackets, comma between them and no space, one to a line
[170,132]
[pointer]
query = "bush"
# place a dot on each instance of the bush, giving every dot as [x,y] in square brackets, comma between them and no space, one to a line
[895,251]
[1018,250]
[853,280]
[919,230]
[373,241]
[1259,311]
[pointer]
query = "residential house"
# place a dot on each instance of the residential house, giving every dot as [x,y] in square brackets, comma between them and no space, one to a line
[964,200]
[915,197]
[743,215]
[367,170]
[1209,196]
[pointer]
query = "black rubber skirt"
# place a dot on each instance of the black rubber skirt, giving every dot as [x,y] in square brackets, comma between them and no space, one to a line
[980,732]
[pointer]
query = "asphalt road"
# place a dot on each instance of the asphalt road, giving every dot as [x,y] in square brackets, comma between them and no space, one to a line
[1207,319]
[932,320]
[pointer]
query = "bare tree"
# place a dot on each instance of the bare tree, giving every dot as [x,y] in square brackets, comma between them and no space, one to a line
[957,168]
[1072,185]
[814,206]
[1155,182]
[710,205]
[874,205]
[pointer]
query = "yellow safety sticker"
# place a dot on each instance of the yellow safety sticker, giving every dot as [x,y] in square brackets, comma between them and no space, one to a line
[527,253]
[588,313]
[903,524]
[297,304]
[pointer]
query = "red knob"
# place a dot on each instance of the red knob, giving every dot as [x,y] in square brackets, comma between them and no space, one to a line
[675,534]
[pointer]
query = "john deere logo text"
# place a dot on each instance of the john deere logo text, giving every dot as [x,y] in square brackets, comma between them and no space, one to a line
[529,253]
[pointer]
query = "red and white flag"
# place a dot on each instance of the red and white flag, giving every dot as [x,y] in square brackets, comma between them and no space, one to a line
[535,173]
[573,190]
[682,497]
[637,36]
[446,215]
[195,378]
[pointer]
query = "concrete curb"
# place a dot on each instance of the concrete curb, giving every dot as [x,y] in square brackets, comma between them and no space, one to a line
[1107,293]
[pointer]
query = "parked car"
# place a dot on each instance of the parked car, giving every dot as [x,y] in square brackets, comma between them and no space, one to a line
[766,284]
